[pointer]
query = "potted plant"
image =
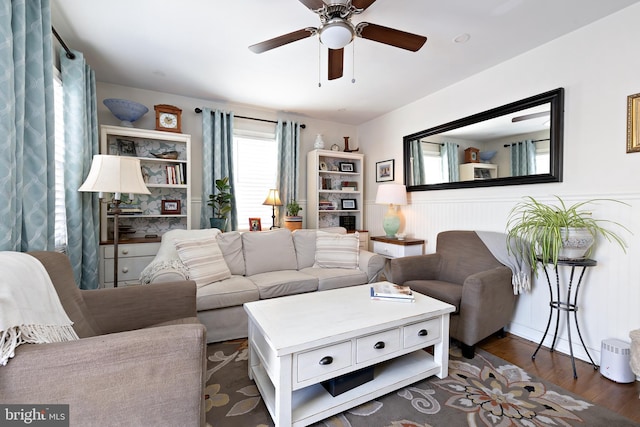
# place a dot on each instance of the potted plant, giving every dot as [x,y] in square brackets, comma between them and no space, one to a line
[553,232]
[291,220]
[220,201]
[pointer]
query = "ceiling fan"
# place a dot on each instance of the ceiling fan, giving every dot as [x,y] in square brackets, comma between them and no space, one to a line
[336,31]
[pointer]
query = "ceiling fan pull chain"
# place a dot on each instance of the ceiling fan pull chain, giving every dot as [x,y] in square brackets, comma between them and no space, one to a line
[319,61]
[353,58]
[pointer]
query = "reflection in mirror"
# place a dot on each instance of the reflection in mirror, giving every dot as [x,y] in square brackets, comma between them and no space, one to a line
[518,143]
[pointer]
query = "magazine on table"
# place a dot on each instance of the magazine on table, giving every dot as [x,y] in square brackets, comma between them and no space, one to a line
[391,291]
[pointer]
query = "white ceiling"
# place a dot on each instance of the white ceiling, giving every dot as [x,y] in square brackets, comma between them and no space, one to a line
[199,48]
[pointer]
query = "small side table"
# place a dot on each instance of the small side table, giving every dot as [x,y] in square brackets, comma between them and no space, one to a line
[392,247]
[567,306]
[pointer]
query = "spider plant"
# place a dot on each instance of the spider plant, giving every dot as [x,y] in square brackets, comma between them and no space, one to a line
[543,228]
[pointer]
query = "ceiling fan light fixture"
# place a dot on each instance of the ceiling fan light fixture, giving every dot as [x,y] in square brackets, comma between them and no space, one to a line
[336,34]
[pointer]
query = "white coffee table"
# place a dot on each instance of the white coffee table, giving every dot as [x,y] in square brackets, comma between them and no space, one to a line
[297,342]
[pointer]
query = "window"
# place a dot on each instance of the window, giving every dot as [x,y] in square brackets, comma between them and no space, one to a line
[543,157]
[255,163]
[432,163]
[60,214]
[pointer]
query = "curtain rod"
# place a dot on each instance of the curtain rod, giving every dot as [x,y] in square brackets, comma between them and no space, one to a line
[436,143]
[199,110]
[535,140]
[70,54]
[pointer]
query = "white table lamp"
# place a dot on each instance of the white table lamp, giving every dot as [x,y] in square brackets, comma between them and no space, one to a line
[393,195]
[117,175]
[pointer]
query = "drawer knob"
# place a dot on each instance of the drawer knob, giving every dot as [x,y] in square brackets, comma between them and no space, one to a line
[125,251]
[423,333]
[379,345]
[125,270]
[327,360]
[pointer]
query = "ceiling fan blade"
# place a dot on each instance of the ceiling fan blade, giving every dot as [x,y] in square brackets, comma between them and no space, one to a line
[390,36]
[282,40]
[336,63]
[530,116]
[362,4]
[313,4]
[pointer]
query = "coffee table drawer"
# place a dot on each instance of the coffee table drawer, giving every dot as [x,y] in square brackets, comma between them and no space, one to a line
[377,345]
[421,333]
[323,361]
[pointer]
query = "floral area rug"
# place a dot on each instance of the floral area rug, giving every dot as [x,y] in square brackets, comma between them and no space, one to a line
[483,391]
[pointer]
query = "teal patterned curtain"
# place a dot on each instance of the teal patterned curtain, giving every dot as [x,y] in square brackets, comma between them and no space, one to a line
[450,162]
[81,143]
[417,163]
[288,140]
[523,158]
[27,172]
[217,160]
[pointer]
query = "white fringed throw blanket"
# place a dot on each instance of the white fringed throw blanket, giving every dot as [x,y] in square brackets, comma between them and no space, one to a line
[30,310]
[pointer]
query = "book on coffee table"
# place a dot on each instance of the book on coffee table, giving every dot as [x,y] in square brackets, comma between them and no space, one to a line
[391,291]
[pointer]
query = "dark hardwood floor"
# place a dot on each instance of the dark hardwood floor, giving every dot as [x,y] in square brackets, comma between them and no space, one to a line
[556,368]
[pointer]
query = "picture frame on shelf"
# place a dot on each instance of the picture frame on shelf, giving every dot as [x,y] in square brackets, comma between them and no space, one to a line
[385,170]
[255,224]
[170,207]
[127,147]
[348,204]
[347,167]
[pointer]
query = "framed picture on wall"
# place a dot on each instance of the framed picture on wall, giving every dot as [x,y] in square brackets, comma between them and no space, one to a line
[385,170]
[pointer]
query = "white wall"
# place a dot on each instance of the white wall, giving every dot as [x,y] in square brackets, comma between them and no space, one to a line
[598,67]
[192,124]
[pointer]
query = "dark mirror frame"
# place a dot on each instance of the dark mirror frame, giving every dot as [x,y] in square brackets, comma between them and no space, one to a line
[556,131]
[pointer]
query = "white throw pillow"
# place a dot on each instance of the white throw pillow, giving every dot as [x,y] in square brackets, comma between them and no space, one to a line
[337,250]
[203,258]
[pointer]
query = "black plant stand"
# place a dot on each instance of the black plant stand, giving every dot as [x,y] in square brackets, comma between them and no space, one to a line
[566,306]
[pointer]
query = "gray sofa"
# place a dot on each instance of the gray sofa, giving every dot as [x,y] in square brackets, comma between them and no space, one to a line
[262,265]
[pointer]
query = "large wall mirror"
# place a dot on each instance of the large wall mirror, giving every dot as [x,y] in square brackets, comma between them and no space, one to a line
[517,143]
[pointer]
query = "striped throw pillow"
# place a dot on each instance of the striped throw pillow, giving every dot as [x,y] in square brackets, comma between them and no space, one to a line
[337,250]
[203,258]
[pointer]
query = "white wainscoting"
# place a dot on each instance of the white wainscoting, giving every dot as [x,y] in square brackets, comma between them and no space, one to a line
[610,292]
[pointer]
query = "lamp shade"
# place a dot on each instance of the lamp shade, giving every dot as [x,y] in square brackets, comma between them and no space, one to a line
[273,198]
[391,194]
[115,174]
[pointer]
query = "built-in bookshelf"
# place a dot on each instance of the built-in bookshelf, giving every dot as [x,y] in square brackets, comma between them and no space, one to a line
[165,161]
[334,189]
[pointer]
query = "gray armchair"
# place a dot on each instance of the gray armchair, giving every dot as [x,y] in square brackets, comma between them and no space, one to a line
[140,359]
[464,273]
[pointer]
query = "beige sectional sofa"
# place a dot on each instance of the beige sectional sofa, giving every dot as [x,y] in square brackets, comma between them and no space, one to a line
[261,265]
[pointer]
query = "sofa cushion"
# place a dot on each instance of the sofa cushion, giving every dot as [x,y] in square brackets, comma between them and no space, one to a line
[231,246]
[266,251]
[230,292]
[304,241]
[204,260]
[334,278]
[336,250]
[281,283]
[444,291]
